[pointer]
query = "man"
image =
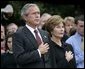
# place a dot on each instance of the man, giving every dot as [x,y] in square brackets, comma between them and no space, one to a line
[29,52]
[11,28]
[76,41]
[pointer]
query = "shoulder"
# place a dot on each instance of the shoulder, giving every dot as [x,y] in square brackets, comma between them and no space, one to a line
[20,31]
[4,55]
[69,46]
[18,34]
[43,32]
[70,39]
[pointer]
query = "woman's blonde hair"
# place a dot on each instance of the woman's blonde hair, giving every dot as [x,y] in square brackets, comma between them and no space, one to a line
[69,18]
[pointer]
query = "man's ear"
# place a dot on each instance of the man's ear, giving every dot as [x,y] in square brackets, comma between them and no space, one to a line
[24,17]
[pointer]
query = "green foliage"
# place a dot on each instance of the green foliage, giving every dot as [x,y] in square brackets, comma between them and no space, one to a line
[53,9]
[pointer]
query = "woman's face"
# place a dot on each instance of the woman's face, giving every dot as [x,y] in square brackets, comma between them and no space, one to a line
[58,31]
[68,26]
[9,43]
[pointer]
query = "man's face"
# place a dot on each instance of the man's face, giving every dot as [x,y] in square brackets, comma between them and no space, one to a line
[33,16]
[80,27]
[11,29]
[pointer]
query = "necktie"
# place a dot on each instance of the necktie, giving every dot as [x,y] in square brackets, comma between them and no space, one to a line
[37,37]
[44,57]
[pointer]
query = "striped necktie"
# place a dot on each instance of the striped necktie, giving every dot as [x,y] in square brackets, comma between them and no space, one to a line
[37,37]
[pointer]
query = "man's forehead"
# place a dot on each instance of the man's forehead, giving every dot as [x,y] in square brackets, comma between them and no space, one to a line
[81,22]
[33,8]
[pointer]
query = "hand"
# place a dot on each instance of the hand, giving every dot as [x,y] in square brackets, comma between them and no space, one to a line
[43,48]
[68,55]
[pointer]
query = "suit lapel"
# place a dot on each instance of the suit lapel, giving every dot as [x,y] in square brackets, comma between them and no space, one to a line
[43,35]
[46,55]
[30,36]
[32,39]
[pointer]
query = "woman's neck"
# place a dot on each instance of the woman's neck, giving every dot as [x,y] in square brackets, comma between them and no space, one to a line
[56,40]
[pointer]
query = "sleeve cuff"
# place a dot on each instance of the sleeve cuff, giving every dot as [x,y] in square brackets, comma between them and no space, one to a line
[39,52]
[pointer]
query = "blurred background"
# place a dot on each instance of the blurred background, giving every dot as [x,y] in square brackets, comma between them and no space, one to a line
[63,9]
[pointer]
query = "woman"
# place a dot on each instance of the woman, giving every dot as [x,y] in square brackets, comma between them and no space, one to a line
[69,27]
[62,55]
[7,59]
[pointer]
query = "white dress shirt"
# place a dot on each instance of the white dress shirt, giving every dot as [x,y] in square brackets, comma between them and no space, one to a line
[32,31]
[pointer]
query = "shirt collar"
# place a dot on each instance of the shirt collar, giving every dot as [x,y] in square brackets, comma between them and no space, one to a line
[30,28]
[78,35]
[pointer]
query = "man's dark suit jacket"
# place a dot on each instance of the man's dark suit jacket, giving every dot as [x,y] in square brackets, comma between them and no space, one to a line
[25,49]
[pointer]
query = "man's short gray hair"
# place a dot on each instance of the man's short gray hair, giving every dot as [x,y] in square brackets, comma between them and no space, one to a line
[26,7]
